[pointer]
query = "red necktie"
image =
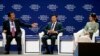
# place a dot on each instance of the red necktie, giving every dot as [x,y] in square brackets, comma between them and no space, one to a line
[13,30]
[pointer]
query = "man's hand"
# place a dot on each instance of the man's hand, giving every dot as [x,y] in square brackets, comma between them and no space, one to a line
[4,31]
[34,25]
[52,31]
[55,32]
[49,31]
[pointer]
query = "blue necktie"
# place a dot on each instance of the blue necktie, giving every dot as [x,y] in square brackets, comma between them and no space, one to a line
[52,26]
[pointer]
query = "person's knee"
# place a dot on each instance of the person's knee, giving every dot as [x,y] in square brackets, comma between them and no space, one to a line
[8,43]
[53,37]
[19,44]
[44,37]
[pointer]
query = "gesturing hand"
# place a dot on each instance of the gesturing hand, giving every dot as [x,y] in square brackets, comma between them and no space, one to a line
[34,25]
[5,31]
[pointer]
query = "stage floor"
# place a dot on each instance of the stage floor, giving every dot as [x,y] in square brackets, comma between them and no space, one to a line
[35,55]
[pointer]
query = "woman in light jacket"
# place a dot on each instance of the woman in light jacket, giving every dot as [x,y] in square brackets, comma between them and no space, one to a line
[92,26]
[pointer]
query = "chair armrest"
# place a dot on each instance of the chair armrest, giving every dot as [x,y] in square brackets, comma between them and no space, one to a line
[23,33]
[23,40]
[58,38]
[60,34]
[41,34]
[94,35]
[4,38]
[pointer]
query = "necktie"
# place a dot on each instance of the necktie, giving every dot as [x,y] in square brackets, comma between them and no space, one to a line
[52,26]
[13,30]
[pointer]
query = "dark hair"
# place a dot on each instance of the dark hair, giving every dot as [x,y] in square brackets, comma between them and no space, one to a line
[53,15]
[9,14]
[94,16]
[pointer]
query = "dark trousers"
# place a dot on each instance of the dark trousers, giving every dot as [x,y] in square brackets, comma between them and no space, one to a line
[52,38]
[99,31]
[8,43]
[91,34]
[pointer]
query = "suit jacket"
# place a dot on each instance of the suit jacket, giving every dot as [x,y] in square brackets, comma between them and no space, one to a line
[18,25]
[58,27]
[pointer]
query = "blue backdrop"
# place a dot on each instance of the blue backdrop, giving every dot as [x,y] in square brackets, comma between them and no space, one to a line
[72,13]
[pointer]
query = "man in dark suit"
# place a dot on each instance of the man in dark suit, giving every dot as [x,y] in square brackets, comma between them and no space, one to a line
[12,29]
[52,29]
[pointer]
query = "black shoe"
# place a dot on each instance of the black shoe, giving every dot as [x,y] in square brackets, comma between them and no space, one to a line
[6,53]
[46,53]
[51,53]
[19,52]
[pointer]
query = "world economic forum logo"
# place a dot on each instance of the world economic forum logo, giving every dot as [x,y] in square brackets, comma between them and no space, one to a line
[17,7]
[5,17]
[35,30]
[34,7]
[26,18]
[52,7]
[70,29]
[88,7]
[2,7]
[61,18]
[70,7]
[67,36]
[78,18]
[43,18]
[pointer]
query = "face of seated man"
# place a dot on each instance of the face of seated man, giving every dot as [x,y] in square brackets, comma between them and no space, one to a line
[53,19]
[12,16]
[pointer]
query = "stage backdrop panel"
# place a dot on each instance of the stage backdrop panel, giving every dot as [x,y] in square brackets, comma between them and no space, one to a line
[72,13]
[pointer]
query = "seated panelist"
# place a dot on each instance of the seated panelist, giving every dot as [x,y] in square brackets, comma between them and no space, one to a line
[11,28]
[92,26]
[52,29]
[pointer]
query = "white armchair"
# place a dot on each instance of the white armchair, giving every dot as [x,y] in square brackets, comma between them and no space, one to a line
[49,41]
[14,41]
[81,37]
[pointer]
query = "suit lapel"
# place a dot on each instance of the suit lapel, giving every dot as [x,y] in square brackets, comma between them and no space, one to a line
[50,25]
[8,23]
[15,23]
